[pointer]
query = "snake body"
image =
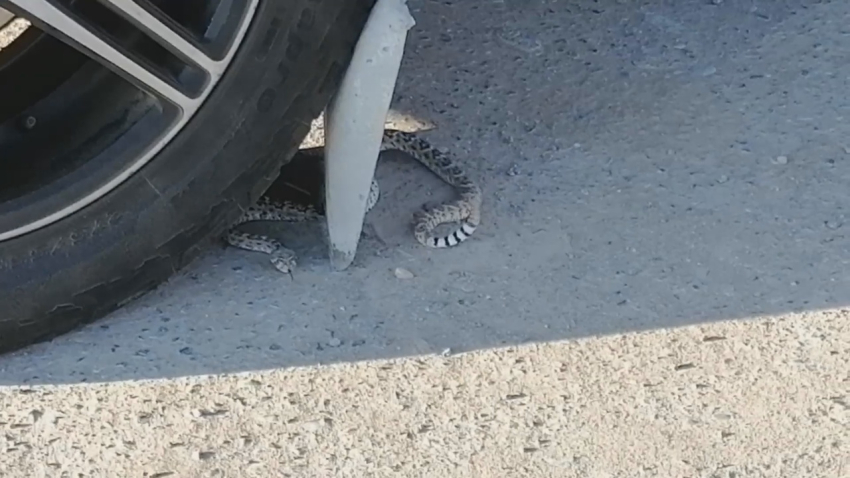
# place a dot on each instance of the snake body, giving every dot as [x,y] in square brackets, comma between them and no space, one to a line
[466,209]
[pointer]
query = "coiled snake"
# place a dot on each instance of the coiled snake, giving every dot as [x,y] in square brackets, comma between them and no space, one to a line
[466,209]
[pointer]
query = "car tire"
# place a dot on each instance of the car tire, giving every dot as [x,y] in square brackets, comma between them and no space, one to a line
[86,265]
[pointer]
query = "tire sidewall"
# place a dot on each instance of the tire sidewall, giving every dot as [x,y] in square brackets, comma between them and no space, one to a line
[77,269]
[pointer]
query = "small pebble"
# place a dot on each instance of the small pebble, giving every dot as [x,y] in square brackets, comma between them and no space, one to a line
[833,224]
[446,352]
[722,179]
[402,273]
[513,170]
[781,160]
[334,342]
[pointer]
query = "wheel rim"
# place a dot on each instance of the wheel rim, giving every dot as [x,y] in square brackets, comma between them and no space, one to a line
[153,66]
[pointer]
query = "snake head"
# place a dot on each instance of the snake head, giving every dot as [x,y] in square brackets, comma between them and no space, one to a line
[284,264]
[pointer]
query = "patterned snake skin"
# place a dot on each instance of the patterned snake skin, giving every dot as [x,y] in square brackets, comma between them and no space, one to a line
[466,209]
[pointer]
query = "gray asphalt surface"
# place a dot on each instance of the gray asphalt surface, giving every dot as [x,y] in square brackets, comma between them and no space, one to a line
[658,174]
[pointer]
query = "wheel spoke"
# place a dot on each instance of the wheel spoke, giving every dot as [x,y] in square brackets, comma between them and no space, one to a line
[48,16]
[5,17]
[166,35]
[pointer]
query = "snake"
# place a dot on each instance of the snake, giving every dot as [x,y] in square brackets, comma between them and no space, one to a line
[466,209]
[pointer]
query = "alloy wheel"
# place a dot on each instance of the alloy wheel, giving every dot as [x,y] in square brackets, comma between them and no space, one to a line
[90,91]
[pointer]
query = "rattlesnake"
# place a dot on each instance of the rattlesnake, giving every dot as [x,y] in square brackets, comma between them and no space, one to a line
[466,210]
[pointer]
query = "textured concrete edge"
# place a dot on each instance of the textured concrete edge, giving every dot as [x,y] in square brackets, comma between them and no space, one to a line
[768,324]
[703,401]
